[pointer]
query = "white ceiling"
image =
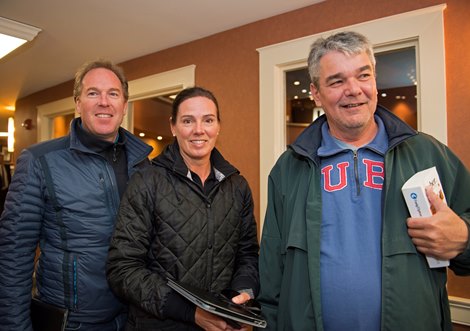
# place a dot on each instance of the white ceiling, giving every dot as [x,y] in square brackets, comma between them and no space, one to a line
[76,31]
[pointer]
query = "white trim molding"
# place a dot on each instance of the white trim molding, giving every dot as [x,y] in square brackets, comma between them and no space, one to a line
[425,26]
[47,112]
[460,310]
[162,83]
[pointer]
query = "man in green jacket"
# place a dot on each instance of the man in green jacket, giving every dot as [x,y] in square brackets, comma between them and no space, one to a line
[339,250]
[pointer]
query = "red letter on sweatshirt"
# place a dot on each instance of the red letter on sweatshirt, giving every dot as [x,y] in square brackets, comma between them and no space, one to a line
[374,174]
[326,171]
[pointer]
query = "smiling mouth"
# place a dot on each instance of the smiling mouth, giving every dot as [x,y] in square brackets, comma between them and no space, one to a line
[104,115]
[353,105]
[198,142]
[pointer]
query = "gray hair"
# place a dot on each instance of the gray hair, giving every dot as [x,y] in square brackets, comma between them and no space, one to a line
[349,42]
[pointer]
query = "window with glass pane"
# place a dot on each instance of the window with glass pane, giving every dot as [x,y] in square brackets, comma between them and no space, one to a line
[61,125]
[152,121]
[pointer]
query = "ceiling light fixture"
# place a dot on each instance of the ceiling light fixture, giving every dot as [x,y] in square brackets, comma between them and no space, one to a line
[14,34]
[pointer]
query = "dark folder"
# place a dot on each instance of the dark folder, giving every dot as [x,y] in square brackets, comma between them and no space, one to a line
[47,317]
[217,305]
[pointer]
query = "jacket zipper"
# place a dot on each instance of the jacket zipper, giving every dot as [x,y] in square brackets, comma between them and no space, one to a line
[114,153]
[210,242]
[75,292]
[109,192]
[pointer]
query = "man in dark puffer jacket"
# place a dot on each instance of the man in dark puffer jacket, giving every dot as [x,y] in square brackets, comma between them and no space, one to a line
[87,171]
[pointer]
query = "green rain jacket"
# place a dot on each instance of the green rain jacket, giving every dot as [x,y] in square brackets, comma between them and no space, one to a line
[414,297]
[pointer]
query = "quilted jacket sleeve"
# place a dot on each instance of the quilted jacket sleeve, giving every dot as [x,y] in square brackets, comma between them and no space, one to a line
[246,266]
[19,235]
[127,270]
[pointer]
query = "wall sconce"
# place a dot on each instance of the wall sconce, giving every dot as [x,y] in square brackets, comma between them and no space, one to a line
[27,124]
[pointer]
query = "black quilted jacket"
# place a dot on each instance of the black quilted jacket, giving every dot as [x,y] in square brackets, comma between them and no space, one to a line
[167,227]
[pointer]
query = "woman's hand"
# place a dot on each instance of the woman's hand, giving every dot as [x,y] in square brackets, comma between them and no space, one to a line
[211,322]
[241,298]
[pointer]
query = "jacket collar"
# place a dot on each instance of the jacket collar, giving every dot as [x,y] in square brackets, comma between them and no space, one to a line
[308,142]
[94,143]
[136,149]
[171,158]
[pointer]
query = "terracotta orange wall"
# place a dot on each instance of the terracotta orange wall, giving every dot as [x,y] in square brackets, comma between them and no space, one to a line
[457,34]
[227,64]
[457,31]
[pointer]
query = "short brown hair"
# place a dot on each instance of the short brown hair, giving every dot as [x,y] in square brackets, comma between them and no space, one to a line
[95,64]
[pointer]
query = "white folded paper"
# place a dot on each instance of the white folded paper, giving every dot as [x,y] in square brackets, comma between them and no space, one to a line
[414,192]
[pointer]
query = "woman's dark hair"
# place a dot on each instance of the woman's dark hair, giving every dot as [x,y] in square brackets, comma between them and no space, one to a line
[189,93]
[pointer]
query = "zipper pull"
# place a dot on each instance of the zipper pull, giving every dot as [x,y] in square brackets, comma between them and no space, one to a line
[114,153]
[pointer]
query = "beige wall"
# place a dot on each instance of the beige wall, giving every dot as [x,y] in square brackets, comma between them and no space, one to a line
[227,64]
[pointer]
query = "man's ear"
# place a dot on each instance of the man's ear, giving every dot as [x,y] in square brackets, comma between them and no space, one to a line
[78,107]
[315,95]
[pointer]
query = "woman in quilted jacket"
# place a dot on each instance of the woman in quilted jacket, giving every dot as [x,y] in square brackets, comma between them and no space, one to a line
[188,218]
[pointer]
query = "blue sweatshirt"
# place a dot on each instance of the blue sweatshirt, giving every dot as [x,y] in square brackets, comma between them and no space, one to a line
[352,180]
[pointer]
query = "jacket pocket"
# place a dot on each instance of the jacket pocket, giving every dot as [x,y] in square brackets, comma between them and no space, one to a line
[296,238]
[399,245]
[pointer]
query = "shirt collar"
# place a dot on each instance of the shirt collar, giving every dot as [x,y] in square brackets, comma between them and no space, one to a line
[330,145]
